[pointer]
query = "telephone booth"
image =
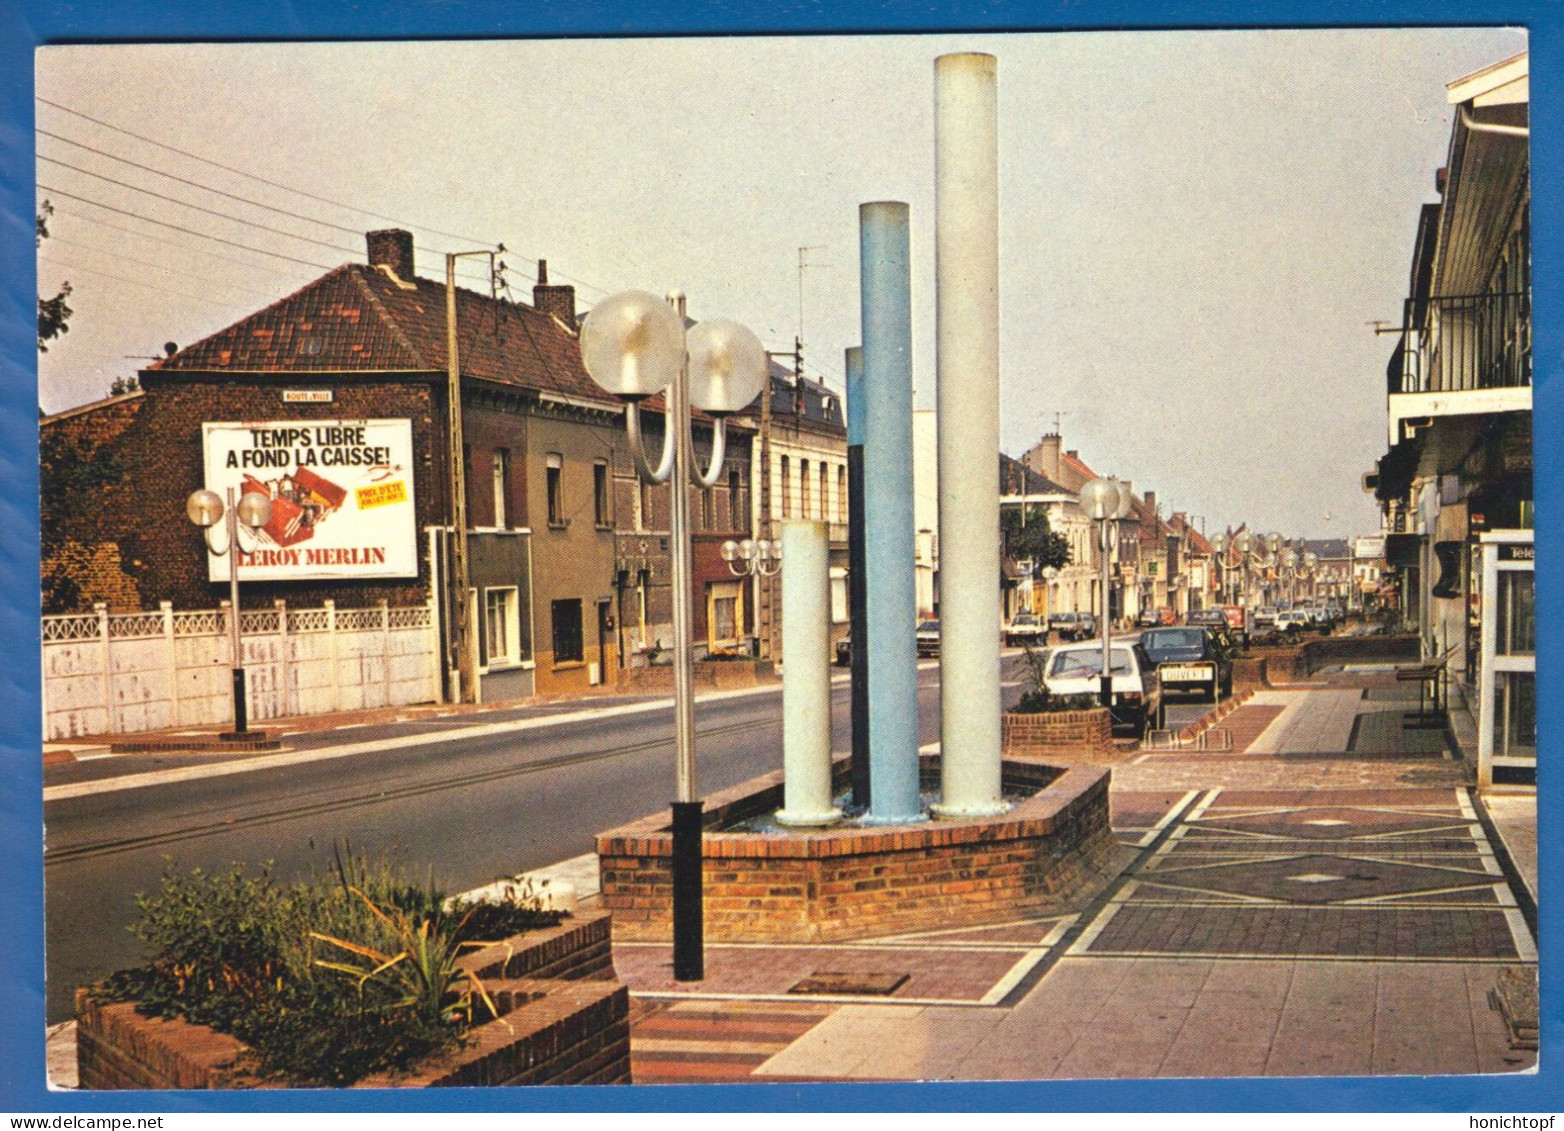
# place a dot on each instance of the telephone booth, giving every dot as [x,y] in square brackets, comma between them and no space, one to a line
[1507,672]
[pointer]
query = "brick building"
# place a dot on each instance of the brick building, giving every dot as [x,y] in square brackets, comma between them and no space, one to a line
[361,353]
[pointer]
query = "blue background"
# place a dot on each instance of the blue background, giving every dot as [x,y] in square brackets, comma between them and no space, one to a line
[25,24]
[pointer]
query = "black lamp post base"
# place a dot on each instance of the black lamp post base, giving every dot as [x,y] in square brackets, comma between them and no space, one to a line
[689,959]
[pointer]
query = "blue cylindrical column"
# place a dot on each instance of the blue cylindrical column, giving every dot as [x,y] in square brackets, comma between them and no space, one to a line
[889,561]
[857,610]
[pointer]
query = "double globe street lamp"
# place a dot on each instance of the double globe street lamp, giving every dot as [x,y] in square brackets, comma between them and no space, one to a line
[252,511]
[634,345]
[1105,501]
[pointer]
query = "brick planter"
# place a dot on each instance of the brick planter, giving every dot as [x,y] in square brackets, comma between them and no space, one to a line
[1048,852]
[1249,672]
[712,675]
[1081,733]
[565,1020]
[1282,662]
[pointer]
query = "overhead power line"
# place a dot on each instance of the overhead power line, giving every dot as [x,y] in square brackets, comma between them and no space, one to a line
[249,265]
[209,279]
[180,228]
[74,267]
[200,207]
[466,240]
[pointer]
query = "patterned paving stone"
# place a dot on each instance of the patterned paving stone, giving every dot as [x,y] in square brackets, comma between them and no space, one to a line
[1306,932]
[1328,823]
[1316,879]
[693,1043]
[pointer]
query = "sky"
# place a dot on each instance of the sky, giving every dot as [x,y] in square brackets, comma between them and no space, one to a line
[1198,229]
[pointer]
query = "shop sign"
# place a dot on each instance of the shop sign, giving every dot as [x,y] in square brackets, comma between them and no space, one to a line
[341,492]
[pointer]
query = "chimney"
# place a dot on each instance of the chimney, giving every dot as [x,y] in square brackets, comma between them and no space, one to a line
[557,301]
[392,249]
[1043,459]
[1151,502]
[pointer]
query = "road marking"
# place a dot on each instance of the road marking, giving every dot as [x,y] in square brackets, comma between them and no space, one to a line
[402,742]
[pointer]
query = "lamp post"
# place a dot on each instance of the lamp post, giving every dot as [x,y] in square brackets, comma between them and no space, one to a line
[751,558]
[1219,556]
[1105,501]
[253,510]
[634,345]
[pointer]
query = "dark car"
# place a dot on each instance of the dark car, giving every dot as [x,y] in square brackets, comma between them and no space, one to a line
[844,651]
[1190,659]
[1215,620]
[928,638]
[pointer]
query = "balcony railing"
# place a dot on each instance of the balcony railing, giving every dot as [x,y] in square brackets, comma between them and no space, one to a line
[1463,342]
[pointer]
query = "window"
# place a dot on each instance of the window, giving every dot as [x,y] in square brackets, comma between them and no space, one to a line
[735,512]
[787,488]
[724,613]
[556,492]
[824,506]
[839,610]
[602,510]
[500,635]
[803,488]
[501,485]
[841,494]
[567,631]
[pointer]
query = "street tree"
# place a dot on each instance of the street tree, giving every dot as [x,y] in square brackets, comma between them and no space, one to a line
[1025,535]
[54,314]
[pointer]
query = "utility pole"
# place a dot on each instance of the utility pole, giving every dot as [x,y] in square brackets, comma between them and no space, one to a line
[767,647]
[462,656]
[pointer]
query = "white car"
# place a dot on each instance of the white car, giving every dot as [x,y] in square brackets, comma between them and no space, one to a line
[1137,693]
[1026,628]
[1292,621]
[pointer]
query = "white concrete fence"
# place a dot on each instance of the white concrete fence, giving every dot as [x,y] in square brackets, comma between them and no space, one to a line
[130,672]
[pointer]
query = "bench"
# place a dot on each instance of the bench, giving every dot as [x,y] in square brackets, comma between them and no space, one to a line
[1431,698]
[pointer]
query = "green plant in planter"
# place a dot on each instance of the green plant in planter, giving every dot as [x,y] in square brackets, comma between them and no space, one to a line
[1037,699]
[423,976]
[269,963]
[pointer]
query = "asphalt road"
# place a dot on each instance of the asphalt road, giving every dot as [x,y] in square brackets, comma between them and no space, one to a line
[468,808]
[491,801]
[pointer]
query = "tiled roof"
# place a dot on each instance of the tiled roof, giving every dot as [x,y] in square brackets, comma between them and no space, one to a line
[1076,464]
[1015,478]
[357,319]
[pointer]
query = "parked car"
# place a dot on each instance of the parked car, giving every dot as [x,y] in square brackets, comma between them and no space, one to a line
[1190,659]
[1291,623]
[1136,693]
[1148,618]
[1215,622]
[1026,628]
[1263,626]
[928,638]
[1073,626]
[844,651]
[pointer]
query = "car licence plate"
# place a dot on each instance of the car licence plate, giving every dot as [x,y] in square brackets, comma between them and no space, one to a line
[1178,673]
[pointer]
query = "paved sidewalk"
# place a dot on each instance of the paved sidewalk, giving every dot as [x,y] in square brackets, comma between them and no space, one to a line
[1322,900]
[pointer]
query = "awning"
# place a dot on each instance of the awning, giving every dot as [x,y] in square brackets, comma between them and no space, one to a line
[1403,550]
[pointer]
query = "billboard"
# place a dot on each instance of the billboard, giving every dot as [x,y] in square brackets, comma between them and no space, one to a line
[341,492]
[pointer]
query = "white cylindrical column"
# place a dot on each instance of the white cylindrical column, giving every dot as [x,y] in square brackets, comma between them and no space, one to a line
[806,677]
[966,185]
